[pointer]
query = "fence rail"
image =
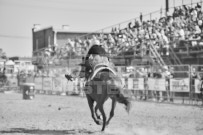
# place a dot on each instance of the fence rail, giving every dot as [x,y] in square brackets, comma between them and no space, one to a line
[177,89]
[182,88]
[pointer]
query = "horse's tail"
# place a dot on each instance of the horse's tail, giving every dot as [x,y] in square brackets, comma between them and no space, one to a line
[116,85]
[124,100]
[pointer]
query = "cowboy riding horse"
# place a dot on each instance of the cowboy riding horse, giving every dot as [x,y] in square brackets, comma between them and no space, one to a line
[102,82]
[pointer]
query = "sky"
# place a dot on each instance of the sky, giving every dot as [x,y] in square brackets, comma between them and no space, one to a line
[17,17]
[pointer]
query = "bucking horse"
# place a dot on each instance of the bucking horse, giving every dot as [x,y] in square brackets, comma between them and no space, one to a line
[102,83]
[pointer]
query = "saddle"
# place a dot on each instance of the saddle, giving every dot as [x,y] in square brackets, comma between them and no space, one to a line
[99,67]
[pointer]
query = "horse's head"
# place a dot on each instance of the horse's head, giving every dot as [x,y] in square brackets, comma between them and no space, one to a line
[86,69]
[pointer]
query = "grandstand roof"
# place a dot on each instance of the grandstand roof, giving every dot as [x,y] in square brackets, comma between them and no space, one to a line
[64,30]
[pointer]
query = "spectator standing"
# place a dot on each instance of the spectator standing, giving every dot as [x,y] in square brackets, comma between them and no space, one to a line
[201,88]
[167,76]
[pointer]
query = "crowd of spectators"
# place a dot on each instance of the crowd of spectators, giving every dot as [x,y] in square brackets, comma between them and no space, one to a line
[185,23]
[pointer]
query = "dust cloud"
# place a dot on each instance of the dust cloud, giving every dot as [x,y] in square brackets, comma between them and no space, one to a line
[135,131]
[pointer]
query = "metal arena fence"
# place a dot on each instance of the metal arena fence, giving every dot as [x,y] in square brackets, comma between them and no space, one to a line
[182,86]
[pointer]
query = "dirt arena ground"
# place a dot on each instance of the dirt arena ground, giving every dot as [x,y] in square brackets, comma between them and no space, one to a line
[41,116]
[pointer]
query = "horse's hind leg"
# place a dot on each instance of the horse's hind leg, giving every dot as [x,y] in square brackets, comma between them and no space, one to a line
[91,105]
[112,110]
[101,109]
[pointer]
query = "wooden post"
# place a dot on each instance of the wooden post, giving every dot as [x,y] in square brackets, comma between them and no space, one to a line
[167,6]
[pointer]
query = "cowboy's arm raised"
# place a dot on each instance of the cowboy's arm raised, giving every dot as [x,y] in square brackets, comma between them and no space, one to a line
[71,77]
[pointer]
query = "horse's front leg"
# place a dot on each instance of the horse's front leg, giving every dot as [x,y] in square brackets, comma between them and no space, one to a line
[113,105]
[101,109]
[91,105]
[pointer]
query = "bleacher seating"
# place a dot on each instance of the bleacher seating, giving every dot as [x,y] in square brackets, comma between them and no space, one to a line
[179,33]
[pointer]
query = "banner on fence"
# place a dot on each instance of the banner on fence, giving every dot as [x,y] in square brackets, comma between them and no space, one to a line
[57,84]
[47,83]
[180,85]
[197,86]
[29,79]
[156,84]
[38,83]
[135,83]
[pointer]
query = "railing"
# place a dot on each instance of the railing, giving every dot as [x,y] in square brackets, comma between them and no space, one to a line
[177,89]
[181,87]
[175,58]
[157,55]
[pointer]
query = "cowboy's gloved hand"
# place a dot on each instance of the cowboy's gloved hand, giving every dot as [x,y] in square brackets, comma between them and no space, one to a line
[69,77]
